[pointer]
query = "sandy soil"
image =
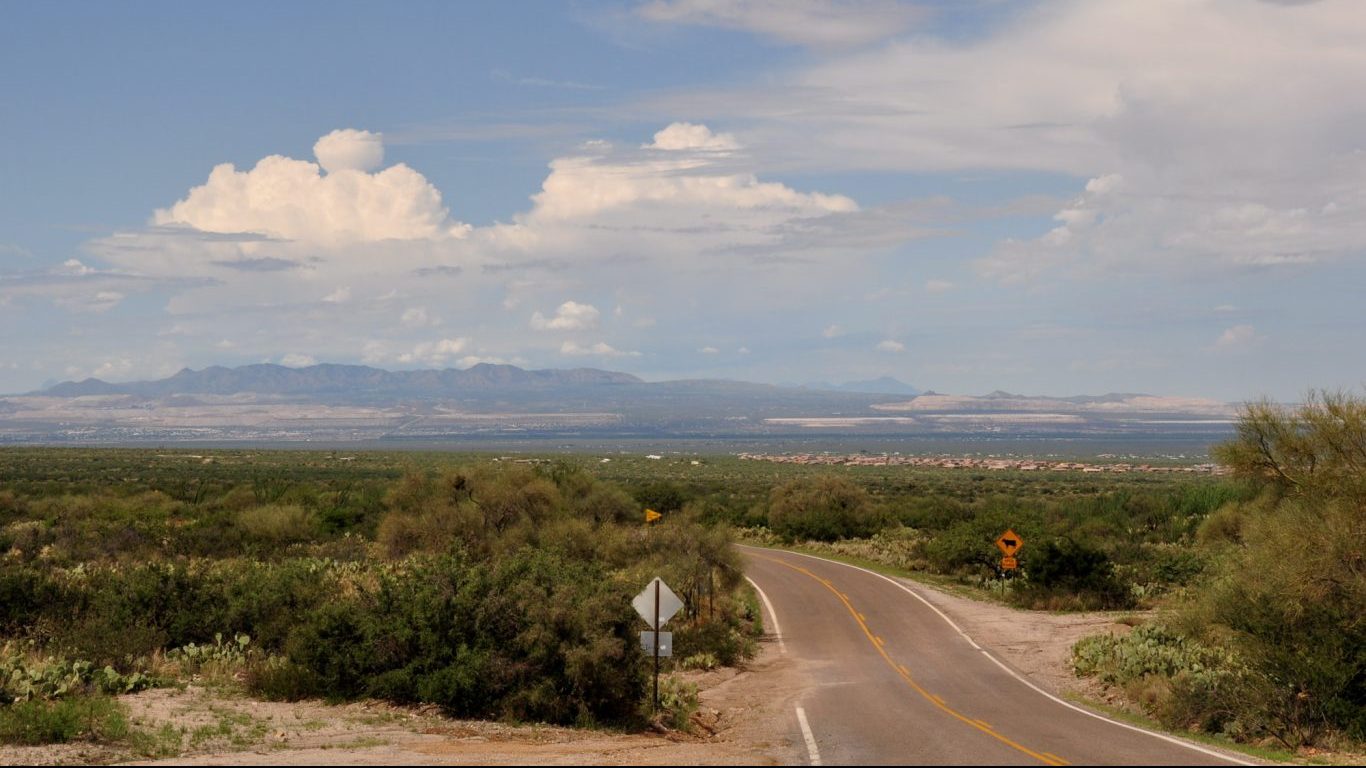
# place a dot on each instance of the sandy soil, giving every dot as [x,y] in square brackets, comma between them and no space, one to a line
[744,718]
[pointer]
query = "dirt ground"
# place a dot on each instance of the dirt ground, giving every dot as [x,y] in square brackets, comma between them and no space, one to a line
[745,715]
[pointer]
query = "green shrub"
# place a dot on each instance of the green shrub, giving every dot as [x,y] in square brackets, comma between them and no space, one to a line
[700,661]
[279,525]
[823,508]
[677,703]
[1069,569]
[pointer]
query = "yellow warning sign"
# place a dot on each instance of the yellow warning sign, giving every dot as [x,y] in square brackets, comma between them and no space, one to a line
[1009,543]
[651,515]
[1009,564]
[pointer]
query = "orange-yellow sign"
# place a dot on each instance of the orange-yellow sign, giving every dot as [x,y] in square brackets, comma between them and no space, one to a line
[1009,564]
[1009,543]
[651,515]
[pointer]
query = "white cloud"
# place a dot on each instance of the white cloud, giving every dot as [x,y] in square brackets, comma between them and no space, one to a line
[347,149]
[1237,337]
[435,353]
[295,200]
[833,331]
[1228,162]
[936,287]
[339,296]
[691,136]
[571,316]
[113,368]
[418,317]
[709,350]
[598,185]
[297,360]
[822,23]
[600,349]
[285,257]
[890,345]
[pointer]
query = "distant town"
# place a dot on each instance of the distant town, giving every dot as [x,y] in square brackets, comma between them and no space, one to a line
[971,462]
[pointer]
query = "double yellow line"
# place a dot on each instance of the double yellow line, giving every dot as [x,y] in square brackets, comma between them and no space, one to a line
[1047,758]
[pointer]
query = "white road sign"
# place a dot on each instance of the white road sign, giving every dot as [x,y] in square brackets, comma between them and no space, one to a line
[644,603]
[666,642]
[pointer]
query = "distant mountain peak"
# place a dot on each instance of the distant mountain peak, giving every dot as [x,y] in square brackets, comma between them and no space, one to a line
[883,385]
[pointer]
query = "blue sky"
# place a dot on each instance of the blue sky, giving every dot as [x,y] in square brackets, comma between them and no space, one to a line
[1052,197]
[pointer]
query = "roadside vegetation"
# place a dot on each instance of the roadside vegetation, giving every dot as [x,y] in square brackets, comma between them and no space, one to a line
[497,591]
[499,587]
[1272,645]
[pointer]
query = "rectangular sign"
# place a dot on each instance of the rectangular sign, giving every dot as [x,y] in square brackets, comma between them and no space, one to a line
[1009,564]
[666,643]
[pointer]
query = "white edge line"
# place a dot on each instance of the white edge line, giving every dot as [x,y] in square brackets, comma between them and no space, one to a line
[777,630]
[1016,675]
[810,739]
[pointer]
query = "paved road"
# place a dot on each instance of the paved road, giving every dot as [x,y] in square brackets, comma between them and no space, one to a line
[895,682]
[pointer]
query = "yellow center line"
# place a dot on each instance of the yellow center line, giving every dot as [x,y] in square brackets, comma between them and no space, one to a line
[1047,758]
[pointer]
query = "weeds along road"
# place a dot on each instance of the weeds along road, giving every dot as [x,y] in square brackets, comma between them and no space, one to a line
[894,681]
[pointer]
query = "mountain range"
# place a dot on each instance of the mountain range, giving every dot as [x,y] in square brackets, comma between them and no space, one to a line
[356,402]
[331,379]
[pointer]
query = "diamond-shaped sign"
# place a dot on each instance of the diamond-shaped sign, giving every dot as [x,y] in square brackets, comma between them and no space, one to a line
[1009,543]
[644,603]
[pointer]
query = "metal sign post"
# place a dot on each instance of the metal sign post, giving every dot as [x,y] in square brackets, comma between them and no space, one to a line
[656,627]
[656,604]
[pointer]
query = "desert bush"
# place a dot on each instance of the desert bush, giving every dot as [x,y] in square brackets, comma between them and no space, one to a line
[1070,569]
[677,703]
[278,525]
[823,508]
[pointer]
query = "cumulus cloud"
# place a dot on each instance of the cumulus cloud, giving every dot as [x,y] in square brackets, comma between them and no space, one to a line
[600,349]
[290,254]
[709,350]
[936,287]
[686,136]
[339,296]
[597,185]
[347,149]
[297,360]
[295,200]
[571,316]
[1237,337]
[418,317]
[833,331]
[890,345]
[435,353]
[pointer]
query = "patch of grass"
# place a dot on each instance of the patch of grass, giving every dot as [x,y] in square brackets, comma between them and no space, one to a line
[165,741]
[77,718]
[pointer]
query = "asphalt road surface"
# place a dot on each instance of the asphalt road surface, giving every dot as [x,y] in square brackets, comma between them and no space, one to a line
[894,681]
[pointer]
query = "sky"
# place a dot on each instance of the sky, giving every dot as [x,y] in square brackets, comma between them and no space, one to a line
[1052,197]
